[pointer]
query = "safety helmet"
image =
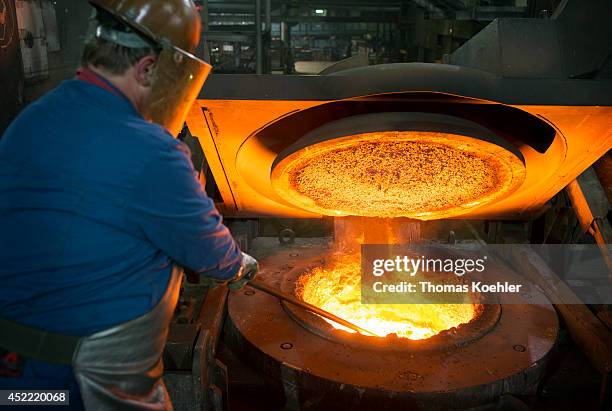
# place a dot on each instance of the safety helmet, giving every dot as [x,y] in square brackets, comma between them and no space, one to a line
[173,26]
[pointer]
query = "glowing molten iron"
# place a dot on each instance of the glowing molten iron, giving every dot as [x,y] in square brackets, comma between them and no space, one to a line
[338,290]
[423,175]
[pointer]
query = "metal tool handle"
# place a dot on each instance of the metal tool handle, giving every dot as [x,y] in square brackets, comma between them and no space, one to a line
[309,307]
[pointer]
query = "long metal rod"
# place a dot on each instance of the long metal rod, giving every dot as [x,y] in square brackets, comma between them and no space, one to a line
[309,307]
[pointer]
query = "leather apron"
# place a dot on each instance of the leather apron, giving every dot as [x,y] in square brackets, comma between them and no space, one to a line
[121,368]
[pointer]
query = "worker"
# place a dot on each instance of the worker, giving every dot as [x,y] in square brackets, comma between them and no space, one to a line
[98,204]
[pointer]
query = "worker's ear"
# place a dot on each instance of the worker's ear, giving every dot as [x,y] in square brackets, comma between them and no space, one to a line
[144,70]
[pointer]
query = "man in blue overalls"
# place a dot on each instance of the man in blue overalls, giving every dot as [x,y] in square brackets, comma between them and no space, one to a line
[98,203]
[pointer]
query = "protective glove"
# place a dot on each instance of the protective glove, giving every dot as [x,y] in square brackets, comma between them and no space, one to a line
[247,272]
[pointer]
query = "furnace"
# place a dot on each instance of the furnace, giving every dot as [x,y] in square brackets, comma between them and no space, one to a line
[495,135]
[429,355]
[329,135]
[415,165]
[433,357]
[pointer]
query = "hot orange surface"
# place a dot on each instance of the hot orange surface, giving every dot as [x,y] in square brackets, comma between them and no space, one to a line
[420,175]
[337,289]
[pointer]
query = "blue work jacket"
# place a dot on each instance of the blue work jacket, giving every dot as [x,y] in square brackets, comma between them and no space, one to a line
[96,205]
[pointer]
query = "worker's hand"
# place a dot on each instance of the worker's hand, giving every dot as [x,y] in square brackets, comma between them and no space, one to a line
[247,272]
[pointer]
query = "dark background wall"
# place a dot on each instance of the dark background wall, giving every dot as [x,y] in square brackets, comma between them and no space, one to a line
[386,31]
[72,22]
[15,92]
[11,79]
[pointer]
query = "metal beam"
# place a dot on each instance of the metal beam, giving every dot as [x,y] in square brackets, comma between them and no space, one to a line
[352,4]
[231,7]
[433,10]
[229,36]
[393,78]
[268,13]
[250,18]
[337,19]
[258,39]
[360,7]
[490,13]
[591,206]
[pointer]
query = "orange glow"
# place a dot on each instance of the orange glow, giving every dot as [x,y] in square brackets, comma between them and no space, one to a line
[337,289]
[422,175]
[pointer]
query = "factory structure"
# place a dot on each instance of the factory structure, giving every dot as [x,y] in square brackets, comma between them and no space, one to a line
[415,132]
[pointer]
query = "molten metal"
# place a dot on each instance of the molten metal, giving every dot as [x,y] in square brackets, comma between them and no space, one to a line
[423,175]
[338,290]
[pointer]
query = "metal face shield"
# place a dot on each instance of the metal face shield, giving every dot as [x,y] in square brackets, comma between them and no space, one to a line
[178,79]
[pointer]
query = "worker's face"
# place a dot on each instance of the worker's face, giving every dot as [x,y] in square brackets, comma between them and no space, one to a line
[142,74]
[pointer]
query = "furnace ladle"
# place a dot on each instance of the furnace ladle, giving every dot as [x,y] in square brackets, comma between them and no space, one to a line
[309,307]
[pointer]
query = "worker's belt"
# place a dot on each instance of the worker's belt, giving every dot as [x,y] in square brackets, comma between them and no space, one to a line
[38,344]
